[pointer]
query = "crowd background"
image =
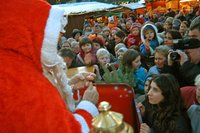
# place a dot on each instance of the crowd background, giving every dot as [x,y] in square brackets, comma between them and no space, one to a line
[139,47]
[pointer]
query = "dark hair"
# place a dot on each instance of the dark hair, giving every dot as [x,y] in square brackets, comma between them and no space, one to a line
[160,27]
[129,56]
[85,40]
[99,40]
[175,34]
[186,23]
[172,105]
[67,52]
[76,31]
[120,34]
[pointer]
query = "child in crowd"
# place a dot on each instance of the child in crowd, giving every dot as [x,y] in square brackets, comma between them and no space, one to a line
[106,33]
[98,42]
[120,52]
[69,57]
[118,46]
[170,36]
[87,54]
[184,29]
[103,58]
[150,41]
[97,28]
[119,37]
[66,44]
[110,44]
[134,37]
[131,63]
[75,47]
[176,24]
[76,34]
[87,29]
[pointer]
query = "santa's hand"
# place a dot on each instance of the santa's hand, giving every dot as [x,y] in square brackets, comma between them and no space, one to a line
[81,80]
[91,94]
[141,107]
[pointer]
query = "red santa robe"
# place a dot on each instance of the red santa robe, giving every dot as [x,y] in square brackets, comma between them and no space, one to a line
[29,103]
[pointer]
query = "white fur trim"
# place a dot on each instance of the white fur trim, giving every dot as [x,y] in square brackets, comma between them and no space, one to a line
[83,123]
[89,107]
[52,30]
[142,31]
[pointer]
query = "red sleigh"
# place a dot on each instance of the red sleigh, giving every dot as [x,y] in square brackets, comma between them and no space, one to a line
[122,99]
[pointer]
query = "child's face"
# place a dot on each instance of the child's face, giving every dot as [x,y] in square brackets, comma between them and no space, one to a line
[135,31]
[136,63]
[183,28]
[119,54]
[106,33]
[76,49]
[65,45]
[76,37]
[167,26]
[168,40]
[149,34]
[96,45]
[104,59]
[117,39]
[86,48]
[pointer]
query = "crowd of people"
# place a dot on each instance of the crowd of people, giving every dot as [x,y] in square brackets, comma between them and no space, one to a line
[159,52]
[143,46]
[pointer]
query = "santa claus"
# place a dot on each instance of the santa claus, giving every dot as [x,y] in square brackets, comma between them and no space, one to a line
[35,94]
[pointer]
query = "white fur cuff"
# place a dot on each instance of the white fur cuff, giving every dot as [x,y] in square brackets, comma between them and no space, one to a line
[89,107]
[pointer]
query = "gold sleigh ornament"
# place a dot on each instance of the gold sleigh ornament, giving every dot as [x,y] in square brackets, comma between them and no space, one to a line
[109,121]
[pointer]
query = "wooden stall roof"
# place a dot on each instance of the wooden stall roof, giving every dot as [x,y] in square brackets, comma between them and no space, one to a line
[80,8]
[133,5]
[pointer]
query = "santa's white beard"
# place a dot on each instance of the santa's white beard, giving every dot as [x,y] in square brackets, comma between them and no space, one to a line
[57,76]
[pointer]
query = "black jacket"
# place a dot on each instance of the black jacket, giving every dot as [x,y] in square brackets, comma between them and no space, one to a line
[189,71]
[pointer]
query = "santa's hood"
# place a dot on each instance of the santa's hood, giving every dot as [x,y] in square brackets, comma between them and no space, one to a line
[29,37]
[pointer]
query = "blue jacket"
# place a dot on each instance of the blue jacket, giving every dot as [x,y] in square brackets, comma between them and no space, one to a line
[140,77]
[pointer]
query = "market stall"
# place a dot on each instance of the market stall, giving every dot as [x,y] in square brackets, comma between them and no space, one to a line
[77,12]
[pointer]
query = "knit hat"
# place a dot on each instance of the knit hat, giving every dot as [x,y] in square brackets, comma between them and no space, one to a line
[106,29]
[99,40]
[148,27]
[176,24]
[102,52]
[195,22]
[169,20]
[135,25]
[115,28]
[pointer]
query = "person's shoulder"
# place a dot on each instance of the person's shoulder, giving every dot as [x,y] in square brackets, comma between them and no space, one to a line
[194,108]
[153,70]
[188,89]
